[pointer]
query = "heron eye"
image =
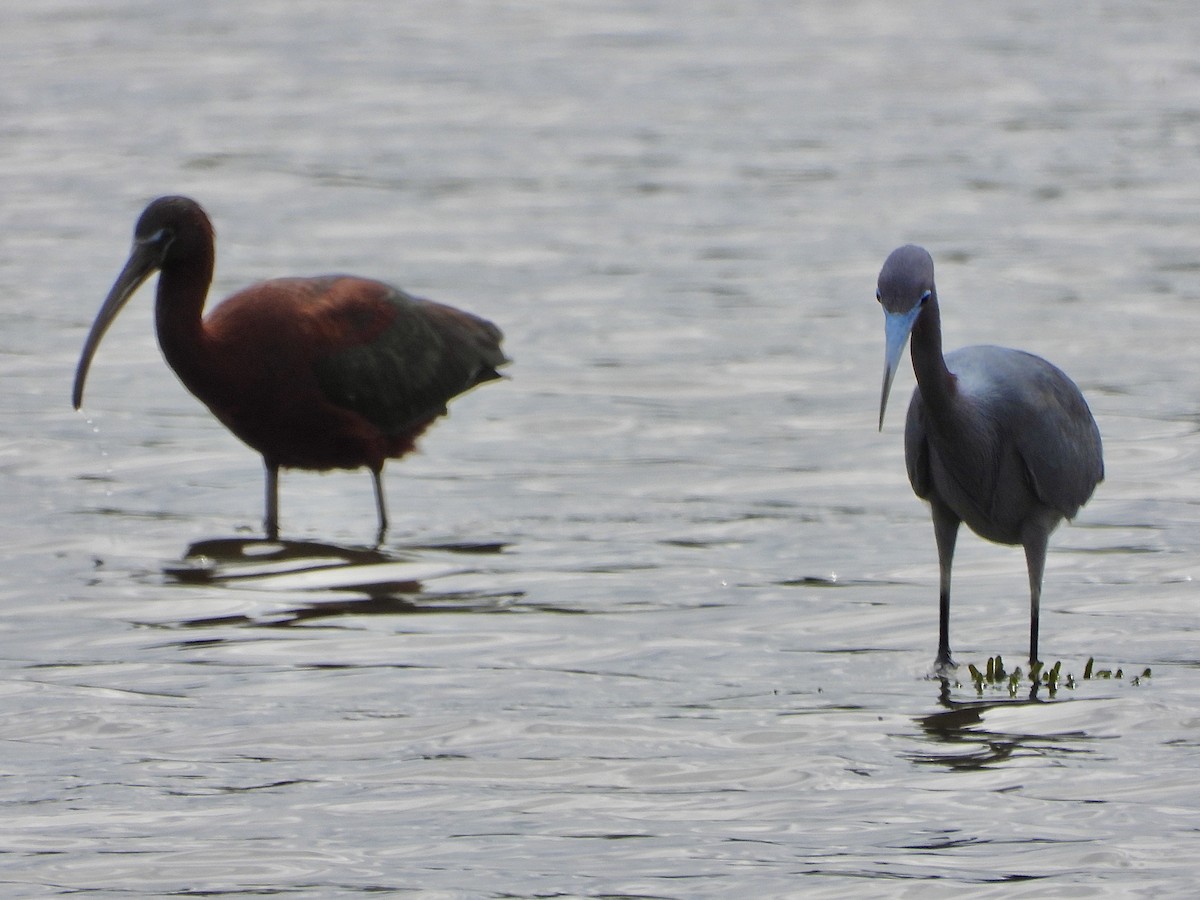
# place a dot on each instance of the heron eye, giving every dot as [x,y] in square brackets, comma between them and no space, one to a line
[879,295]
[925,296]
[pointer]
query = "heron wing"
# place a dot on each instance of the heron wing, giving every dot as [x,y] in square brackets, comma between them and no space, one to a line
[1033,406]
[1058,438]
[916,448]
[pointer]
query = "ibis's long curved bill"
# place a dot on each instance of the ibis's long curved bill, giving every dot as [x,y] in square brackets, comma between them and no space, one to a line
[144,260]
[898,326]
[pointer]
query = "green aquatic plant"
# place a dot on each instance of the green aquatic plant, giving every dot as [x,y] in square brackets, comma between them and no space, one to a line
[995,677]
[1054,673]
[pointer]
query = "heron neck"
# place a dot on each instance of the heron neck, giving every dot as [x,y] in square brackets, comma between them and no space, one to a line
[937,383]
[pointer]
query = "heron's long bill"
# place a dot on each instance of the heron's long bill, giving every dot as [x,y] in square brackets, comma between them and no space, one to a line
[898,326]
[143,261]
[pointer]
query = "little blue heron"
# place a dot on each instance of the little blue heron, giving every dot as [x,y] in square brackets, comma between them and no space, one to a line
[332,372]
[997,438]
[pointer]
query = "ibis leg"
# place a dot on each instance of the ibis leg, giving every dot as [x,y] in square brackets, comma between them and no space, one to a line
[271,524]
[380,503]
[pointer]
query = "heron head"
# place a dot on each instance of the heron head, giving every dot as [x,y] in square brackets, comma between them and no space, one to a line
[905,287]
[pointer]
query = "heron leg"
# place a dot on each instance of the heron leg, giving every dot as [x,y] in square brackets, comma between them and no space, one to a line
[945,532]
[271,523]
[380,504]
[1035,560]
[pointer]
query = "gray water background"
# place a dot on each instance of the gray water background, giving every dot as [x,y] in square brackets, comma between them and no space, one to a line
[656,615]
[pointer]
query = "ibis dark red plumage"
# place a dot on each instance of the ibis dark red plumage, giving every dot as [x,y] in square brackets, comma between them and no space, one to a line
[332,372]
[997,438]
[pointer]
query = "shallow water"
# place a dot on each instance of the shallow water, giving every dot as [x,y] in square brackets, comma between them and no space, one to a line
[656,614]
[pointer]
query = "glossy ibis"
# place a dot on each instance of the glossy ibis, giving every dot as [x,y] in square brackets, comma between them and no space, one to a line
[332,372]
[997,438]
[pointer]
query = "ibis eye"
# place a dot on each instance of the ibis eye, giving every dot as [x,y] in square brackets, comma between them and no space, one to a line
[161,236]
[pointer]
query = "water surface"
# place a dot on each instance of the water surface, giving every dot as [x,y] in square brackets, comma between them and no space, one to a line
[656,614]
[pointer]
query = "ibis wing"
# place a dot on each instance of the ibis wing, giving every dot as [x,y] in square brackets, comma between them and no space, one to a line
[402,359]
